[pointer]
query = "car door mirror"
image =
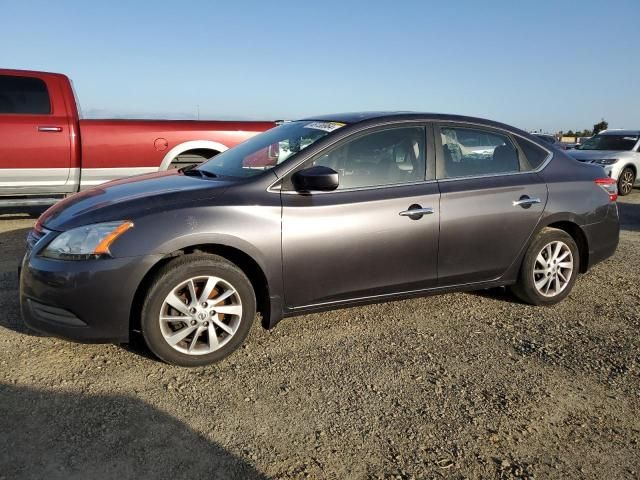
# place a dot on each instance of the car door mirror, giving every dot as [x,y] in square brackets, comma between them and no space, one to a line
[318,178]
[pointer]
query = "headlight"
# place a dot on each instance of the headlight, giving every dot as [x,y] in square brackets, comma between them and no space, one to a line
[90,241]
[606,161]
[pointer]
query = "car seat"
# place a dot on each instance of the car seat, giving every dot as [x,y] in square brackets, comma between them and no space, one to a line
[505,159]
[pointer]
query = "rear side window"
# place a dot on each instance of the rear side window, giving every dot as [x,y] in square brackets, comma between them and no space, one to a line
[24,95]
[470,152]
[535,155]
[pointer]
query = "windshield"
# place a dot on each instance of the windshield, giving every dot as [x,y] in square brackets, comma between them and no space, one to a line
[610,142]
[268,149]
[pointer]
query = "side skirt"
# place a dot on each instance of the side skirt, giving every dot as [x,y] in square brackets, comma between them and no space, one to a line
[291,312]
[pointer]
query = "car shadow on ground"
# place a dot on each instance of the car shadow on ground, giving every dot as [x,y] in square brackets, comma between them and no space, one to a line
[52,434]
[137,346]
[502,294]
[629,216]
[12,247]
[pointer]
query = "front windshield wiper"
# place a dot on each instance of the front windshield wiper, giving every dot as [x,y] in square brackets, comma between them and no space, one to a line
[192,171]
[207,173]
[188,168]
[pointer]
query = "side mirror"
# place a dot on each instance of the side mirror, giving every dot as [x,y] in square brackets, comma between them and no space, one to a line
[319,178]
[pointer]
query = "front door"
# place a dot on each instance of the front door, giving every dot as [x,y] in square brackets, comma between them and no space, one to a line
[362,240]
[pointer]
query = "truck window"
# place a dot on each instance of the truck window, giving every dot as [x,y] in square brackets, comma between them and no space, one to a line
[24,95]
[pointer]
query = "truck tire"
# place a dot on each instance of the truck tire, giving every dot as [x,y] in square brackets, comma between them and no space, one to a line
[191,157]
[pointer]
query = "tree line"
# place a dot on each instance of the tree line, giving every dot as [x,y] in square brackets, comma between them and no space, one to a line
[597,128]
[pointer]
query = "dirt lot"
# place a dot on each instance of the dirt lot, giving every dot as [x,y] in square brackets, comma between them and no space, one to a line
[454,386]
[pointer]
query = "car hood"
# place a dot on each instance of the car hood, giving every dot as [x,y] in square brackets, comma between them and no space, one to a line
[588,155]
[130,197]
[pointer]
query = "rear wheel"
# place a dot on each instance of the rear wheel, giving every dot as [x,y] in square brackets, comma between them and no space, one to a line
[626,181]
[199,309]
[549,269]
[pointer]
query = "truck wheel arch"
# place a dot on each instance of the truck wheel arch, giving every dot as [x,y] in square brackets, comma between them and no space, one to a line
[184,147]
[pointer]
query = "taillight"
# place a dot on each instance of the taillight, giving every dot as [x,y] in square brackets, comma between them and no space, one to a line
[610,186]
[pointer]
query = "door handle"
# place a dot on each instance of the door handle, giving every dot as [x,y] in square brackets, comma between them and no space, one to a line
[525,202]
[49,129]
[415,212]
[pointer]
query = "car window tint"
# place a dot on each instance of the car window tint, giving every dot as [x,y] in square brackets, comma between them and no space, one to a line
[471,152]
[535,155]
[23,95]
[385,157]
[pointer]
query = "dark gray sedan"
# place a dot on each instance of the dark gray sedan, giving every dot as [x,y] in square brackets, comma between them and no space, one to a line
[313,215]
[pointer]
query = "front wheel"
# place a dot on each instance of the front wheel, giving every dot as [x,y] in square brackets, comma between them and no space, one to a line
[549,268]
[198,310]
[626,181]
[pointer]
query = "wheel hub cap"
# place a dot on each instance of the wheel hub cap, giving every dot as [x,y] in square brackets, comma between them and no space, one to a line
[627,182]
[553,269]
[188,322]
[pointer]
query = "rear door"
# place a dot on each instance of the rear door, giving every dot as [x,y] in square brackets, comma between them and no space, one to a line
[491,200]
[361,241]
[35,150]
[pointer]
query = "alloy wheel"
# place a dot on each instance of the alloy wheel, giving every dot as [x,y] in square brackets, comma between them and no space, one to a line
[200,315]
[626,181]
[553,269]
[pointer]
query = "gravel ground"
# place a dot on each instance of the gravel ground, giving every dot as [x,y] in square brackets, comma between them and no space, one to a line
[452,386]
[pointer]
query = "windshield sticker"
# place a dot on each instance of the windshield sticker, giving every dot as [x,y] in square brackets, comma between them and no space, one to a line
[325,126]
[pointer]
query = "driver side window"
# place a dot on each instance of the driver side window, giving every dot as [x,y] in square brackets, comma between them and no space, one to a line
[385,157]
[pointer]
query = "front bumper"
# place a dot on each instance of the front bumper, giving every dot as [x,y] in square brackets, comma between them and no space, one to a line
[85,301]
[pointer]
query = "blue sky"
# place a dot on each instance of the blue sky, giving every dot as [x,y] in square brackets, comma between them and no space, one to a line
[537,65]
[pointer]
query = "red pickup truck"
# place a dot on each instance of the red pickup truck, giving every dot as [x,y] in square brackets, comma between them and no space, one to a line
[47,151]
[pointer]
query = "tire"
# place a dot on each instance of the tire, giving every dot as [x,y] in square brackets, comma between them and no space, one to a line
[626,181]
[203,334]
[535,277]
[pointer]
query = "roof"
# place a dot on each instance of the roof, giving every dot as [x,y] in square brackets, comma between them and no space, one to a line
[358,117]
[15,72]
[355,117]
[620,132]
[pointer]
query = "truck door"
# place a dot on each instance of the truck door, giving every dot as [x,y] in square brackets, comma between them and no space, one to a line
[35,149]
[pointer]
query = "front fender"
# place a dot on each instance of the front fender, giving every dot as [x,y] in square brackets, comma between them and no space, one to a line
[204,238]
[252,229]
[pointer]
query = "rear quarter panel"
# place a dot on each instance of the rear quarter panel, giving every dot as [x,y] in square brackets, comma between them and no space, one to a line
[573,195]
